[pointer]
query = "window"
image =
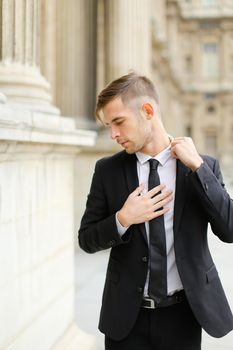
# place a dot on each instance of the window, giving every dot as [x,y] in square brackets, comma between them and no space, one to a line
[188,64]
[210,95]
[211,109]
[210,65]
[209,2]
[208,25]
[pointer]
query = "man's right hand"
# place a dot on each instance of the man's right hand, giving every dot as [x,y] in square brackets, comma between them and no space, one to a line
[139,207]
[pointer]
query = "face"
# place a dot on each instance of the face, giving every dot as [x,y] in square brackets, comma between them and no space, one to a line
[130,128]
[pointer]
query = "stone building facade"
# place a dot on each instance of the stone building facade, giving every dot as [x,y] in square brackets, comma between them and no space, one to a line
[54,57]
[204,67]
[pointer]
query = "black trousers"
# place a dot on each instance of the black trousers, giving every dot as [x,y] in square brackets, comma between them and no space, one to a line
[168,328]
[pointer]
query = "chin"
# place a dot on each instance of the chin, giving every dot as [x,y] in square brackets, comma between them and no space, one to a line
[133,149]
[130,150]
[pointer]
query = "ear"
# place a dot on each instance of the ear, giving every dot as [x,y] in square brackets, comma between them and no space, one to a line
[148,109]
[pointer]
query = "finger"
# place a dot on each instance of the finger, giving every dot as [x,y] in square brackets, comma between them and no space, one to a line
[173,154]
[155,190]
[182,140]
[162,203]
[174,149]
[176,142]
[138,190]
[161,197]
[159,213]
[177,147]
[179,138]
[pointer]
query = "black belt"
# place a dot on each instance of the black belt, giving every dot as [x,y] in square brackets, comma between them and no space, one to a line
[176,298]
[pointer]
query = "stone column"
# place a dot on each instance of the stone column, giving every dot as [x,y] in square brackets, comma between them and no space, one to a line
[47,54]
[159,19]
[197,55]
[172,21]
[76,59]
[100,57]
[199,133]
[224,42]
[20,77]
[127,37]
[225,147]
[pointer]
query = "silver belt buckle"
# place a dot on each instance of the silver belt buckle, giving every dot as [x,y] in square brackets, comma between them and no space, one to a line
[152,303]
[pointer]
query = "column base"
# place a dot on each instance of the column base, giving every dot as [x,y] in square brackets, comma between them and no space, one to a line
[24,84]
[47,109]
[23,124]
[83,122]
[74,338]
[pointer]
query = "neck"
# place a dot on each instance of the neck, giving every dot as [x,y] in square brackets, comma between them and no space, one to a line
[158,142]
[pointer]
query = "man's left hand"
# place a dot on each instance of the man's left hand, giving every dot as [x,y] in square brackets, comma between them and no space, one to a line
[183,148]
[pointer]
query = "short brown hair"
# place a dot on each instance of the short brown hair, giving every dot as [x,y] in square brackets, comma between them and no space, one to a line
[127,87]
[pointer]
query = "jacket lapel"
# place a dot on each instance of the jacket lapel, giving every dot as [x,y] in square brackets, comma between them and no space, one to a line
[181,174]
[130,167]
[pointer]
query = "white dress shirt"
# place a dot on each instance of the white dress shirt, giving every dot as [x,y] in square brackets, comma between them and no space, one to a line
[167,174]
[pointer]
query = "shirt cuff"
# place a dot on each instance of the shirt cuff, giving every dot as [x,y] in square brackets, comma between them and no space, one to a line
[121,229]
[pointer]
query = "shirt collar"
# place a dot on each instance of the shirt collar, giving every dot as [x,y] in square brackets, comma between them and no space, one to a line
[162,157]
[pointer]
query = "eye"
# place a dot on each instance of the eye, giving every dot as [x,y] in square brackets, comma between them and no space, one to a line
[119,122]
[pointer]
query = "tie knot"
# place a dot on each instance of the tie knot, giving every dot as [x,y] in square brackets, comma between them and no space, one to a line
[153,163]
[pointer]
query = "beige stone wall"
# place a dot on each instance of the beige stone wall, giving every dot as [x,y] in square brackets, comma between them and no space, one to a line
[36,245]
[38,150]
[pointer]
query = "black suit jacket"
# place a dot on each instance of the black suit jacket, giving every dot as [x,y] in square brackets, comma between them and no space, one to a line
[200,198]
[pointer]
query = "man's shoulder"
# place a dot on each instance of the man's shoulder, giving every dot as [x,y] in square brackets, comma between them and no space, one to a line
[115,159]
[211,161]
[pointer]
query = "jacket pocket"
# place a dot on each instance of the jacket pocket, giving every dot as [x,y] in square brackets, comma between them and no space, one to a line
[211,274]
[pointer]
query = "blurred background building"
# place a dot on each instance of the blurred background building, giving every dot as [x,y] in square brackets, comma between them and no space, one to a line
[55,55]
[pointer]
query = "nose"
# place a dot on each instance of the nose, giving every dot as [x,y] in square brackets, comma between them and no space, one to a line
[114,132]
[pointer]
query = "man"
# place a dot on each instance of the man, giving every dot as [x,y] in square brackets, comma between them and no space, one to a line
[151,204]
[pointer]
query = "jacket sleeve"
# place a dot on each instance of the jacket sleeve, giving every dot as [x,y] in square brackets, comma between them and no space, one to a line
[214,199]
[98,229]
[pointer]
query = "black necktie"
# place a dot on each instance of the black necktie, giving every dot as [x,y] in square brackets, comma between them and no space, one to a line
[158,255]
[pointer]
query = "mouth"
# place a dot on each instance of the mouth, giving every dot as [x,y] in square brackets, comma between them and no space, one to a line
[123,144]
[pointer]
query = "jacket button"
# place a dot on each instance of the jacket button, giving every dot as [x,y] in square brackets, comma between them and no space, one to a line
[206,186]
[139,289]
[112,243]
[144,259]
